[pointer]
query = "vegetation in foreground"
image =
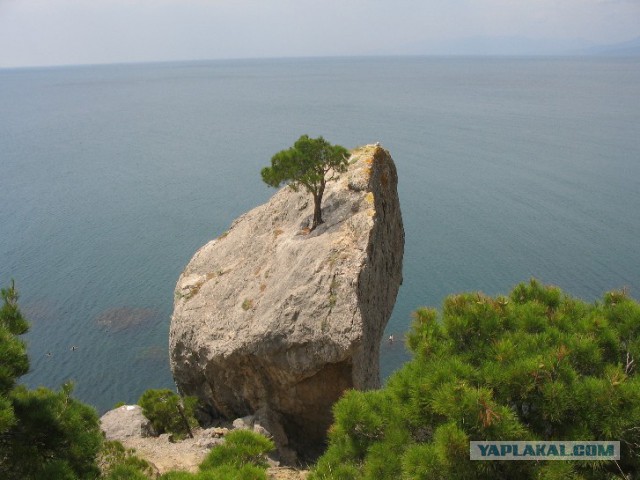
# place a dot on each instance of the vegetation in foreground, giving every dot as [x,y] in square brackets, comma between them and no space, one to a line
[119,463]
[43,434]
[241,457]
[168,412]
[536,365]
[48,435]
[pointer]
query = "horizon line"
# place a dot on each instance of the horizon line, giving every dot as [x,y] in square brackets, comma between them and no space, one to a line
[322,57]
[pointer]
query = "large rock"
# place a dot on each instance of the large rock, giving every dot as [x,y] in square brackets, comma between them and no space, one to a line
[269,317]
[124,422]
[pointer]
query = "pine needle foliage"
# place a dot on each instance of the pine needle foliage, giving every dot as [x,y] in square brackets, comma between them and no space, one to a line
[534,365]
[43,433]
[117,462]
[241,447]
[13,353]
[309,163]
[242,456]
[168,412]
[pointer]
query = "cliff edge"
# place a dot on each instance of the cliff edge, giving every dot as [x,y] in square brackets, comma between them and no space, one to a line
[275,321]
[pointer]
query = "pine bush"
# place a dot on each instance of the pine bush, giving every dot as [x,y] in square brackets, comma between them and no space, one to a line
[168,412]
[534,365]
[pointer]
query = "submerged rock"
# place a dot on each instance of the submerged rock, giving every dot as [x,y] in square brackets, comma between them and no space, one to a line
[271,318]
[122,318]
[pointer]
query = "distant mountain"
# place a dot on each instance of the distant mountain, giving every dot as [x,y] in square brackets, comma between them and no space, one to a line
[516,46]
[499,46]
[630,48]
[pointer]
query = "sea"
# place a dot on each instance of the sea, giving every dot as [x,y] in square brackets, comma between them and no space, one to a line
[112,176]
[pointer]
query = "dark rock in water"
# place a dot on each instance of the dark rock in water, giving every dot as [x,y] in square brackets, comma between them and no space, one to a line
[153,353]
[273,319]
[122,318]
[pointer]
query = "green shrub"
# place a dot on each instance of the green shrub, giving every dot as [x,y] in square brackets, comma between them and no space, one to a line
[116,462]
[13,353]
[43,433]
[53,433]
[168,412]
[125,472]
[227,472]
[241,448]
[178,475]
[240,457]
[537,365]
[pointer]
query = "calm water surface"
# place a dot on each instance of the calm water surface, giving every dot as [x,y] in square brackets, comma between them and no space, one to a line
[112,176]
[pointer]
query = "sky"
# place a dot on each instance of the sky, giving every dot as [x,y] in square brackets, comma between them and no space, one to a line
[69,32]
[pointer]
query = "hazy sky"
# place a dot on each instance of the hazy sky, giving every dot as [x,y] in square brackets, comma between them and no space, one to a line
[50,32]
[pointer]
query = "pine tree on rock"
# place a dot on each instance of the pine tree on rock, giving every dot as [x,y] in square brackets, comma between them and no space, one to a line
[310,163]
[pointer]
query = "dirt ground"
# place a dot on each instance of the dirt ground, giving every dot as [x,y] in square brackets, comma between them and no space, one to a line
[187,455]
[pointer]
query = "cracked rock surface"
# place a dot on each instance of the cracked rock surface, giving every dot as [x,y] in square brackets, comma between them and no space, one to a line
[273,320]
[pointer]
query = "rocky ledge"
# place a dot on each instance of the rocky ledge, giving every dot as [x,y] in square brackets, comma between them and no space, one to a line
[129,426]
[275,321]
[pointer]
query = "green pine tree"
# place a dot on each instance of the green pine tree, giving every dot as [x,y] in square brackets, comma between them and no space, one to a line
[43,434]
[536,365]
[13,354]
[309,163]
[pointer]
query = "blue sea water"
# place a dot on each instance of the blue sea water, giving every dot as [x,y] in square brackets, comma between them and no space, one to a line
[112,176]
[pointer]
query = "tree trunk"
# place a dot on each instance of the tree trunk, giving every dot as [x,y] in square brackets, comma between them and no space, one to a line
[317,206]
[184,420]
[317,211]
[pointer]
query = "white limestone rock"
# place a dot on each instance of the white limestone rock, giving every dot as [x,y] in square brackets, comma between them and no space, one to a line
[271,317]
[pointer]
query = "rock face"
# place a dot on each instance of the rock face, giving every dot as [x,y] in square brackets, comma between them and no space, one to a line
[272,319]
